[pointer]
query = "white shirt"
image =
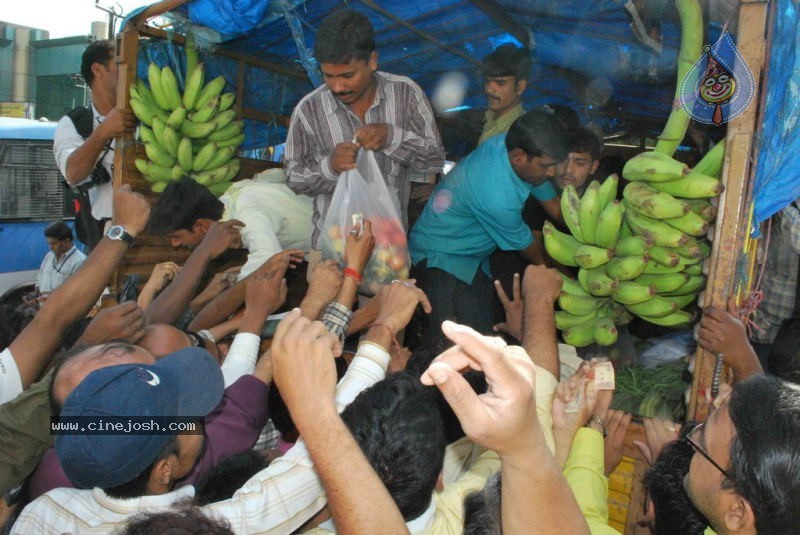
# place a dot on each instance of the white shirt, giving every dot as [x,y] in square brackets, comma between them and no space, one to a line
[277,500]
[275,219]
[10,380]
[241,358]
[65,141]
[53,272]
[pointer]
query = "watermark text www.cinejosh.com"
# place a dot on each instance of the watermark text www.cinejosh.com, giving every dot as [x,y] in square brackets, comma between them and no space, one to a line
[124,425]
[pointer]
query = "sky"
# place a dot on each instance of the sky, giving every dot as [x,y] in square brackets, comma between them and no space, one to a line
[63,18]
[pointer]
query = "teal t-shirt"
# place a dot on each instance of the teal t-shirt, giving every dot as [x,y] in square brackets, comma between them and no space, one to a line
[474,210]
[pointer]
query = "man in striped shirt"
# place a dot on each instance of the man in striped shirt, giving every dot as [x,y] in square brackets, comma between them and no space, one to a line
[358,107]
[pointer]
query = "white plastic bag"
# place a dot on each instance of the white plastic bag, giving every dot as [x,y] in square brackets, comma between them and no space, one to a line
[363,191]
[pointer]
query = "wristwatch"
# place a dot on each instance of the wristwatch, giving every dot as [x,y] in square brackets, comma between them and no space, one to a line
[118,233]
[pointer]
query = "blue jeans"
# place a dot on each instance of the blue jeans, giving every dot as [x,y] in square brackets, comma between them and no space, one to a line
[453,299]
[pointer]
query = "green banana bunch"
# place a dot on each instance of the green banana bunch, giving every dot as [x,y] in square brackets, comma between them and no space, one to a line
[691,224]
[647,200]
[666,256]
[565,320]
[632,246]
[580,335]
[605,332]
[657,231]
[667,282]
[631,293]
[589,256]
[570,286]
[653,167]
[178,128]
[578,305]
[625,268]
[598,283]
[608,190]
[655,307]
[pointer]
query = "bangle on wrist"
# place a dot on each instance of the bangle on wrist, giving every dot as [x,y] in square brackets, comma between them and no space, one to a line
[353,274]
[596,420]
[391,332]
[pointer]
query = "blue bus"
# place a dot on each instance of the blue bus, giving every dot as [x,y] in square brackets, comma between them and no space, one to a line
[31,197]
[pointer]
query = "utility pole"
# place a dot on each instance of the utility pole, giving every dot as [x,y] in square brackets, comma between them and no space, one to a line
[112,16]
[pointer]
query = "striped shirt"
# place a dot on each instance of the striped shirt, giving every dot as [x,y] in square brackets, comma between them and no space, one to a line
[320,122]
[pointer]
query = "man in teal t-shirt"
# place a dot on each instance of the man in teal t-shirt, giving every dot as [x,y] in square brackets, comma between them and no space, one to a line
[477,209]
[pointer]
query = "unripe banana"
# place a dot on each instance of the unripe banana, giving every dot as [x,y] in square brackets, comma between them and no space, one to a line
[666,256]
[158,187]
[632,246]
[221,157]
[583,281]
[571,286]
[580,335]
[654,268]
[678,318]
[205,113]
[194,82]
[211,90]
[212,176]
[144,112]
[176,118]
[609,223]
[690,250]
[169,85]
[151,171]
[220,187]
[703,208]
[144,94]
[158,130]
[561,247]
[234,141]
[625,231]
[658,232]
[570,211]
[146,134]
[233,170]
[655,307]
[228,131]
[691,224]
[711,163]
[171,140]
[226,101]
[693,186]
[598,282]
[649,201]
[204,156]
[178,172]
[589,256]
[608,190]
[683,300]
[154,76]
[589,211]
[705,248]
[625,268]
[631,293]
[197,130]
[605,332]
[696,269]
[224,118]
[577,304]
[185,154]
[158,155]
[663,283]
[653,167]
[693,285]
[565,320]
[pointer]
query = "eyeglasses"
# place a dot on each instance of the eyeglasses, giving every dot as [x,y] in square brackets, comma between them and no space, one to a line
[697,448]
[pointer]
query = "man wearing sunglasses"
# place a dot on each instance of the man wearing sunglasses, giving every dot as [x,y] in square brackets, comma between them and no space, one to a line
[744,475]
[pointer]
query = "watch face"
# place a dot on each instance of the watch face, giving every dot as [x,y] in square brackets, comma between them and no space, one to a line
[115,233]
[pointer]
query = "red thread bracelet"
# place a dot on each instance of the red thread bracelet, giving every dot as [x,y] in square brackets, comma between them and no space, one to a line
[353,274]
[391,332]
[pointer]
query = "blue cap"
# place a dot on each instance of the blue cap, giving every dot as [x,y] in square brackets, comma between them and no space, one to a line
[187,383]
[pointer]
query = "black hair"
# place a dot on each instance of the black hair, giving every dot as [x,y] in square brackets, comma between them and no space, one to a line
[343,36]
[507,60]
[674,511]
[227,477]
[568,117]
[97,52]
[58,230]
[582,139]
[13,319]
[419,361]
[180,205]
[400,432]
[137,487]
[482,513]
[765,451]
[183,520]
[538,133]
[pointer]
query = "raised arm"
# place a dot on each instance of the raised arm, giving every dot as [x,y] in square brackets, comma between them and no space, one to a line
[71,301]
[541,287]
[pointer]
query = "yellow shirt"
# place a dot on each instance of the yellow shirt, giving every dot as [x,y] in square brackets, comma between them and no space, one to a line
[493,126]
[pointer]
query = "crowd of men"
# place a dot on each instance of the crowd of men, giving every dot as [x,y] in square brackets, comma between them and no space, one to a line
[319,433]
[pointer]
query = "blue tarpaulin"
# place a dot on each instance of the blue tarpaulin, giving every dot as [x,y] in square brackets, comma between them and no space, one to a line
[777,181]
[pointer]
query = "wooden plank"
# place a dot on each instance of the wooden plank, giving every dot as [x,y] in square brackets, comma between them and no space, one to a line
[732,219]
